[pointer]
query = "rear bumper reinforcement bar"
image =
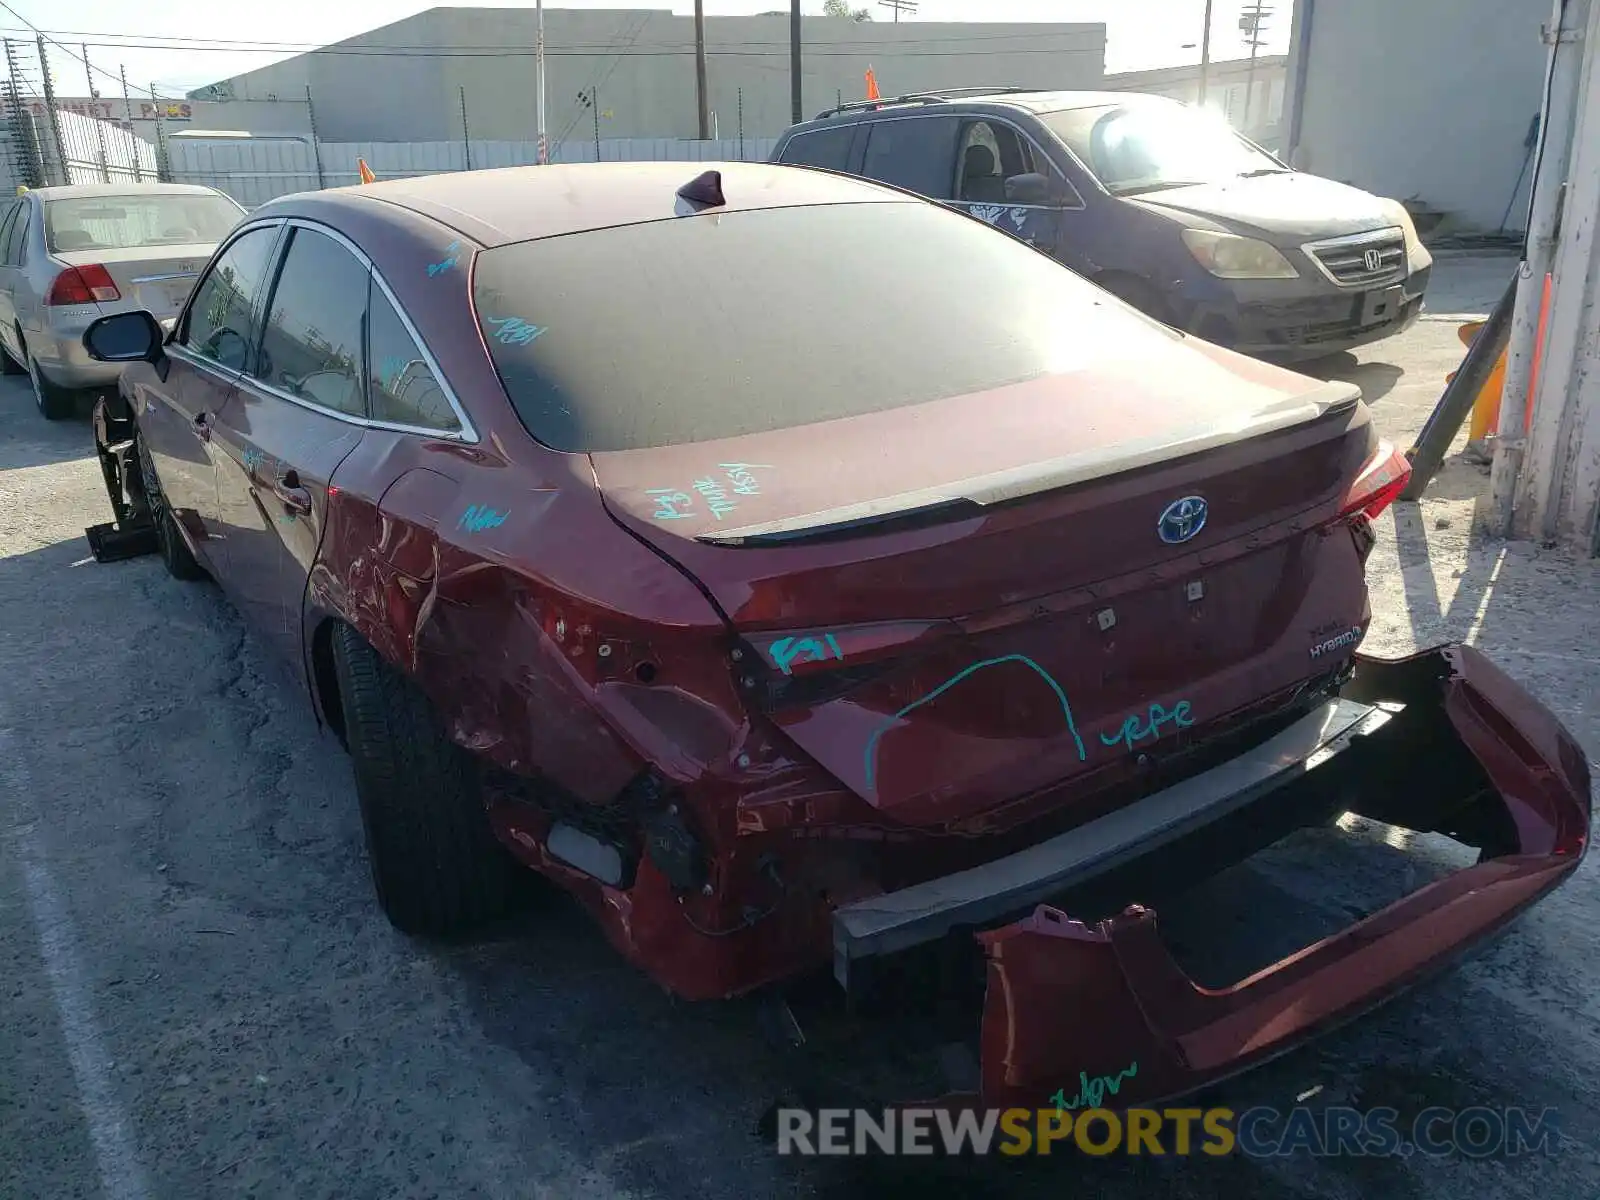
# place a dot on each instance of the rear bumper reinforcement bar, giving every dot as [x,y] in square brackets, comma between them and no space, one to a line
[899,920]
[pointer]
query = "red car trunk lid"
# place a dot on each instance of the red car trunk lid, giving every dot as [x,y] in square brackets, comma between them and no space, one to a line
[960,603]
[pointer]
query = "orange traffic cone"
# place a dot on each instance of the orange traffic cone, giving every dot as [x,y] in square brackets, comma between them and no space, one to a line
[366,172]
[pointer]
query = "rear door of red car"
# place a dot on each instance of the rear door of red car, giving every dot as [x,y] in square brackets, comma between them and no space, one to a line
[297,414]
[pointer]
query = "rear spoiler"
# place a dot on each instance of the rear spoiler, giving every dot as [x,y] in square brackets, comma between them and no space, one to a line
[1014,483]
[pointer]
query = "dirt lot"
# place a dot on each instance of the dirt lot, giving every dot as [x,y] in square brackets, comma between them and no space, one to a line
[200,997]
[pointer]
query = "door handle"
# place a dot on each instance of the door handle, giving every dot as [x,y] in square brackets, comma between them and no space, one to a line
[294,498]
[202,427]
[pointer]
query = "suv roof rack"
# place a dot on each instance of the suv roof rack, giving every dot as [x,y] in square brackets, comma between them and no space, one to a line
[939,96]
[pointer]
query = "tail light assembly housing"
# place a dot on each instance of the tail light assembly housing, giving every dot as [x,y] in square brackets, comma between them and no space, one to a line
[83,285]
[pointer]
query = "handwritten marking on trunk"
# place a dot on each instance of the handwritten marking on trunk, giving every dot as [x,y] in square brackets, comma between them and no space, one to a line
[673,505]
[1136,729]
[1092,1092]
[668,502]
[1061,696]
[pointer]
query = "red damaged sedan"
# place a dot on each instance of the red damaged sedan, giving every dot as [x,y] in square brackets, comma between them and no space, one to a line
[803,575]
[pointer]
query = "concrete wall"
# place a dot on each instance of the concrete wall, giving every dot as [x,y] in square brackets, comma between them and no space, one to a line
[1427,98]
[373,88]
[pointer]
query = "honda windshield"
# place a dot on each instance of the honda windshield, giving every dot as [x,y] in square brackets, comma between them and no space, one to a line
[724,324]
[1150,144]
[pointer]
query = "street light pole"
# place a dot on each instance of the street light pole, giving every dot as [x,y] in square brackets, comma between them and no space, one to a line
[794,62]
[538,72]
[700,69]
[1205,54]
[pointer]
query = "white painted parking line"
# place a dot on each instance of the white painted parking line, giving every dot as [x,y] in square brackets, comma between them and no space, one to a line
[121,1175]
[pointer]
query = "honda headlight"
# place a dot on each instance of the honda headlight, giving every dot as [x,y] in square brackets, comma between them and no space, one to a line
[1229,256]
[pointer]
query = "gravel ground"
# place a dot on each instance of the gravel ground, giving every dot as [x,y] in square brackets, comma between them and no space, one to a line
[202,999]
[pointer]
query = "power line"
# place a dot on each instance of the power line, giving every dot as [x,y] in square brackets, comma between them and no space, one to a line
[67,50]
[602,52]
[249,46]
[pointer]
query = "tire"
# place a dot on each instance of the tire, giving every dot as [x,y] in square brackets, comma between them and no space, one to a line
[1139,293]
[55,403]
[9,365]
[175,554]
[436,864]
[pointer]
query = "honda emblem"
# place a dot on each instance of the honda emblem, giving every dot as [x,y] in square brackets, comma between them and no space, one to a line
[1373,259]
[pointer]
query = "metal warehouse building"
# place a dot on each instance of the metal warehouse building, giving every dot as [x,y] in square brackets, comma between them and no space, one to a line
[407,81]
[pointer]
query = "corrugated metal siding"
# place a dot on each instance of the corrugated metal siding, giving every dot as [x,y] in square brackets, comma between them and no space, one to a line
[253,172]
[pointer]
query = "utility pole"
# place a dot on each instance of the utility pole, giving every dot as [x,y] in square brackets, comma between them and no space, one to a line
[538,74]
[701,98]
[1205,55]
[1251,22]
[899,7]
[594,102]
[795,104]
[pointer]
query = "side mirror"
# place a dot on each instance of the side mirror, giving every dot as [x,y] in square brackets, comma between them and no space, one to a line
[1035,189]
[125,337]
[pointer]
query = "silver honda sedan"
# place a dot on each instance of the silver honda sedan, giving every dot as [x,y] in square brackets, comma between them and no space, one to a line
[69,255]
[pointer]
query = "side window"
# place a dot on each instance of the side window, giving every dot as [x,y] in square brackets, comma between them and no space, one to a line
[983,166]
[400,382]
[821,148]
[7,219]
[220,321]
[917,153]
[17,235]
[311,342]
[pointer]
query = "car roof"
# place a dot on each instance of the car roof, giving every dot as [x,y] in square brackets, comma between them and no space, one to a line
[79,190]
[1035,102]
[518,204]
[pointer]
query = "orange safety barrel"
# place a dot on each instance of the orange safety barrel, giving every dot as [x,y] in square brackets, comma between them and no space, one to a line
[1486,408]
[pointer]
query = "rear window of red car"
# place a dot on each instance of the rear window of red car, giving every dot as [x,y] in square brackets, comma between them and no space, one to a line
[723,324]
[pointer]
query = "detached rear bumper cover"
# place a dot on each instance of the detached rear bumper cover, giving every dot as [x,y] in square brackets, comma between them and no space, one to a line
[1065,998]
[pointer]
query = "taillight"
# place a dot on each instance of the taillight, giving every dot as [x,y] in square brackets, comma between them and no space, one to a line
[83,285]
[1379,485]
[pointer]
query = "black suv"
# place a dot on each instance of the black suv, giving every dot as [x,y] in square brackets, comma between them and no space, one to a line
[1158,202]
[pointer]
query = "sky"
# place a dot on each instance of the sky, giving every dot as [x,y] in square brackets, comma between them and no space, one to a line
[1139,33]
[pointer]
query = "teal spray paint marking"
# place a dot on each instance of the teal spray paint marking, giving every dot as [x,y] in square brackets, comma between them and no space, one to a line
[788,650]
[479,517]
[514,331]
[1136,729]
[1066,708]
[1092,1092]
[450,260]
[668,501]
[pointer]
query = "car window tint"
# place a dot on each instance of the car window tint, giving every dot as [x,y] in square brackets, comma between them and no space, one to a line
[311,345]
[917,153]
[6,223]
[220,321]
[821,148]
[401,384]
[736,324]
[16,244]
